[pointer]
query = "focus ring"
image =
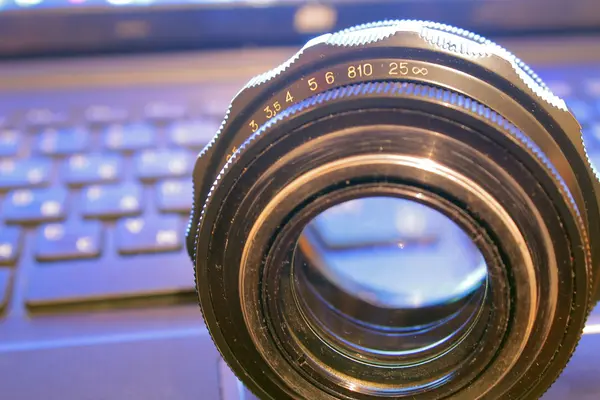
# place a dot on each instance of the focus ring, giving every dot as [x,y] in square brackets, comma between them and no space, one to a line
[409,89]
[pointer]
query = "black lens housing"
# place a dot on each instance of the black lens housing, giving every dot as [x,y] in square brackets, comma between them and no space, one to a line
[412,110]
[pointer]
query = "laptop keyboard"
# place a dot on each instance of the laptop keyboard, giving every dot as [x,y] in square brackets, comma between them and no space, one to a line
[96,209]
[94,206]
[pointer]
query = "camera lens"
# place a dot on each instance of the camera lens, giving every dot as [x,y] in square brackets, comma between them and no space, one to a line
[401,210]
[363,274]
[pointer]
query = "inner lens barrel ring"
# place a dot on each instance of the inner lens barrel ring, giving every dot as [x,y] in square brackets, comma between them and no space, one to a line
[288,222]
[341,317]
[292,146]
[440,370]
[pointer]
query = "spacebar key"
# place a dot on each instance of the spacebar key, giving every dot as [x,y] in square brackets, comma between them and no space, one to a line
[76,283]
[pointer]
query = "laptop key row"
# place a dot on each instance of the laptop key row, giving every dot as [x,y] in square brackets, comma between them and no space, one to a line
[65,241]
[129,137]
[53,142]
[85,281]
[59,182]
[149,234]
[24,173]
[35,205]
[81,169]
[112,201]
[32,206]
[156,164]
[101,114]
[119,137]
[83,239]
[108,201]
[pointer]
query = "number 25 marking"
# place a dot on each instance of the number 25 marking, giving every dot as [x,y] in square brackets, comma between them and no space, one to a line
[398,68]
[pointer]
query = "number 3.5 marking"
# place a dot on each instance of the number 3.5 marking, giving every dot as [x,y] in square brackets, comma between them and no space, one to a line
[269,113]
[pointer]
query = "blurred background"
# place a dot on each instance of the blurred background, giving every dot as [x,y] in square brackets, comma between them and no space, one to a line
[104,105]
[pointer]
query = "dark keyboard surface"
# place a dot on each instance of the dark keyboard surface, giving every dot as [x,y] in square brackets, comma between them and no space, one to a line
[101,195]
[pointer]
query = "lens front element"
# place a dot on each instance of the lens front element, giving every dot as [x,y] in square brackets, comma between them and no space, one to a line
[389,267]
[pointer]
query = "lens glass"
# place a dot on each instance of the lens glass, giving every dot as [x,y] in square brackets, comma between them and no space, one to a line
[388,266]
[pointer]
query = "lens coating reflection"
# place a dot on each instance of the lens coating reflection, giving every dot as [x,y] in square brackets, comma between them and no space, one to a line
[391,266]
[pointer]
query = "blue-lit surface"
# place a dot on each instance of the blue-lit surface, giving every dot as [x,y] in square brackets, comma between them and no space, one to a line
[386,250]
[62,4]
[124,354]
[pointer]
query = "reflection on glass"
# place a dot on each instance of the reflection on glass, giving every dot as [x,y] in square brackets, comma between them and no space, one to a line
[394,253]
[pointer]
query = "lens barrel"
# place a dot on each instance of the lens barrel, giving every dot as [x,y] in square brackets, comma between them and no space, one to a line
[401,210]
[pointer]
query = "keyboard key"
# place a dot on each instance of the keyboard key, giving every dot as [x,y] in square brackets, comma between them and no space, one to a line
[8,142]
[175,195]
[43,117]
[129,137]
[62,141]
[161,112]
[149,234]
[24,173]
[109,201]
[35,205]
[101,115]
[80,169]
[5,287]
[194,134]
[122,278]
[377,222]
[81,239]
[10,244]
[153,164]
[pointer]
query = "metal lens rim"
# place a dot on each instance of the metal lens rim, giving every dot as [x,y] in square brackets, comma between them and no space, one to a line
[445,327]
[367,386]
